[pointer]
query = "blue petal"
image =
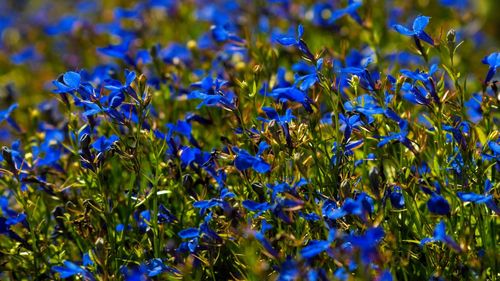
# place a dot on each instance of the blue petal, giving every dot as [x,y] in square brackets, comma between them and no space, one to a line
[403,30]
[314,248]
[420,23]
[189,233]
[469,196]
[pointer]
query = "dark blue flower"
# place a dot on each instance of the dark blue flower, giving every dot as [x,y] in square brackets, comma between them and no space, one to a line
[224,31]
[457,4]
[315,247]
[195,234]
[397,198]
[493,61]
[485,198]
[204,205]
[308,80]
[283,120]
[440,236]
[473,108]
[71,269]
[494,146]
[459,131]
[5,115]
[367,243]
[211,93]
[27,54]
[244,161]
[278,206]
[350,10]
[117,87]
[415,94]
[292,94]
[156,266]
[65,24]
[322,13]
[289,270]
[296,41]
[175,54]
[366,105]
[348,124]
[437,204]
[261,237]
[119,51]
[67,83]
[361,206]
[104,144]
[10,218]
[417,30]
[399,137]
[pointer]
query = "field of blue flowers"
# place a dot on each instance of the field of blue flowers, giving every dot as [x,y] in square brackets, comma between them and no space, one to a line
[249,140]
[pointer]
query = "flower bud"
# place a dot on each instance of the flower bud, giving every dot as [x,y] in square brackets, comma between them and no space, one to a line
[451,36]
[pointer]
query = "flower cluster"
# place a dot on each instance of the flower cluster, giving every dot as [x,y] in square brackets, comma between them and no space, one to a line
[235,140]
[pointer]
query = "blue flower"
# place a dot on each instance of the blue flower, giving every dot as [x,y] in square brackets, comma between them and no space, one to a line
[493,61]
[308,80]
[350,10]
[23,56]
[348,124]
[315,247]
[296,41]
[322,13]
[67,83]
[149,268]
[361,207]
[283,120]
[211,93]
[417,30]
[5,115]
[104,144]
[119,51]
[485,198]
[195,234]
[419,75]
[292,94]
[278,205]
[437,204]
[70,269]
[256,207]
[459,130]
[399,137]
[385,276]
[415,94]
[224,31]
[366,105]
[260,236]
[473,108]
[458,4]
[156,266]
[418,92]
[10,218]
[440,236]
[204,205]
[397,198]
[367,243]
[65,24]
[289,270]
[117,87]
[244,161]
[495,149]
[176,53]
